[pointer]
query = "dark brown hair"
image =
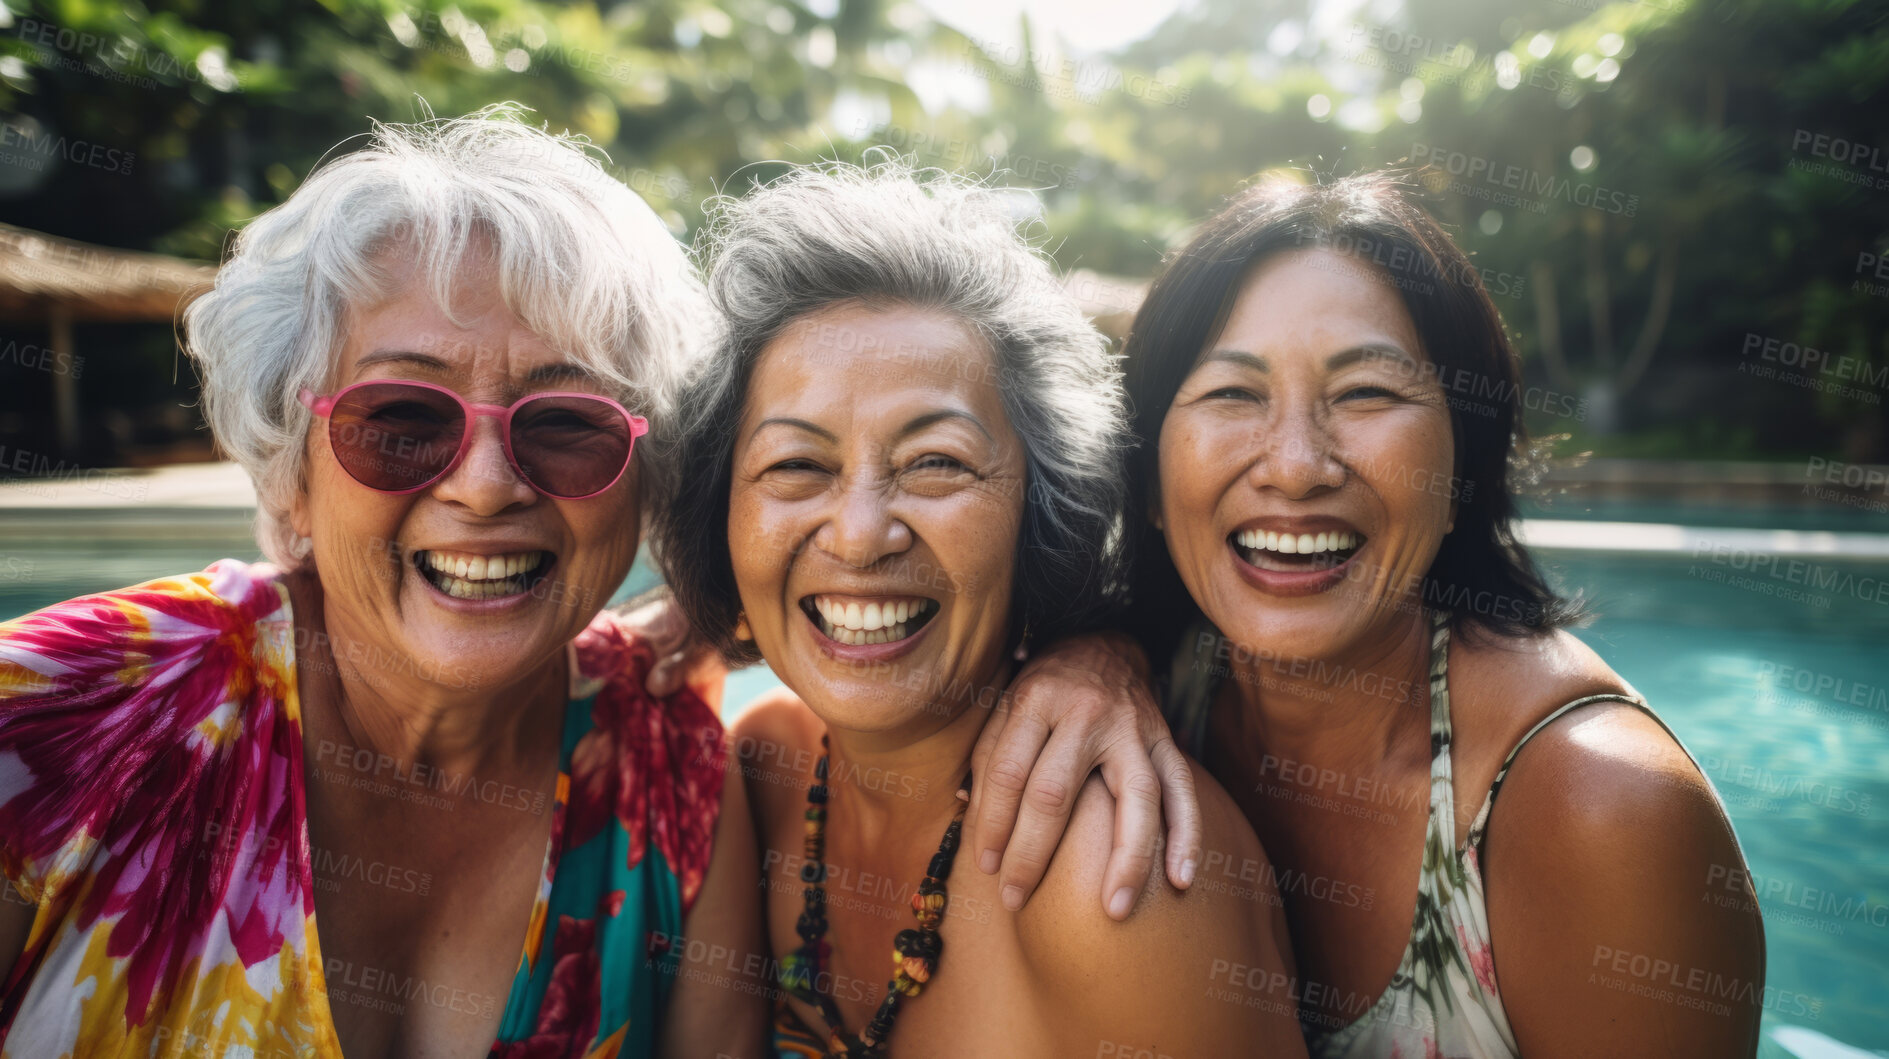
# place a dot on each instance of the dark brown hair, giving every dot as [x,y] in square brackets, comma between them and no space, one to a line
[1481,572]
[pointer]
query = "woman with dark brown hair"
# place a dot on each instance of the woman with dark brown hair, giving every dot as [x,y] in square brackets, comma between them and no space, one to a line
[1328,414]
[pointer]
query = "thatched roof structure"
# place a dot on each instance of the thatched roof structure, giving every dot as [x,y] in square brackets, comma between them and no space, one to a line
[44,276]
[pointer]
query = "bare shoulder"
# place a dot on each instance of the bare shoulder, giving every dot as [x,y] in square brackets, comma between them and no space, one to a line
[1594,768]
[775,743]
[1606,847]
[1234,892]
[1077,868]
[1211,964]
[1526,677]
[1590,763]
[1605,830]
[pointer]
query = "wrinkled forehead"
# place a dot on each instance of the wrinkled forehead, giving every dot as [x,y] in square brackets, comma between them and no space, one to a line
[463,336]
[1313,302]
[852,359]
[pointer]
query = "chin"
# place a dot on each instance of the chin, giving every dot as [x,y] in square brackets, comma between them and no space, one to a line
[863,706]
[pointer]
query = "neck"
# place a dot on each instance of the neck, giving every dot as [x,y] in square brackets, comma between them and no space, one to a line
[373,700]
[890,783]
[1350,713]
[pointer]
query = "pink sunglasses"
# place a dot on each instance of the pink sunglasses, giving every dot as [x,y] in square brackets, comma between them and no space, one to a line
[395,436]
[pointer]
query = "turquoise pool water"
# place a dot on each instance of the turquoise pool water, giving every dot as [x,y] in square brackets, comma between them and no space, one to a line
[1780,690]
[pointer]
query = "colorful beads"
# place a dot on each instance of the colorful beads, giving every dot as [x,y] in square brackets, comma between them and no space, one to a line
[915,953]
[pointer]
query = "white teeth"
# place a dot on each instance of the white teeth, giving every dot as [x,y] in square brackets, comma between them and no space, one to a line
[868,617]
[480,576]
[1296,543]
[876,622]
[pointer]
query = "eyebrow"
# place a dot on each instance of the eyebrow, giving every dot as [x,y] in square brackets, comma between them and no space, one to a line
[542,373]
[401,356]
[1368,351]
[798,424]
[560,370]
[1242,358]
[916,424]
[1342,359]
[919,423]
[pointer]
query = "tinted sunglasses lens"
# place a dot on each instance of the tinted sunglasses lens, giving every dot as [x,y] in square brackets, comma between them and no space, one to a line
[395,437]
[570,446]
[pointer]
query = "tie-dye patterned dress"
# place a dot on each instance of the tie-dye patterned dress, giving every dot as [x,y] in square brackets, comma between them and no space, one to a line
[152,813]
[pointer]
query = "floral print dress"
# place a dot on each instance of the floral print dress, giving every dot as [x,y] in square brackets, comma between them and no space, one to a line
[1442,1002]
[152,813]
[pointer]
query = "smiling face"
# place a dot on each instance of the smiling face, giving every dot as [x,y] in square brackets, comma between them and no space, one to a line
[1306,461]
[873,515]
[477,575]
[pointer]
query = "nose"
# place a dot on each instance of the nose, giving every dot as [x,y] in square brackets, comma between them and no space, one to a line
[862,529]
[1299,458]
[485,482]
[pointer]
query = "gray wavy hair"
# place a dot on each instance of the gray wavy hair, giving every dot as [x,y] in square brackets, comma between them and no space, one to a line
[583,262]
[830,233]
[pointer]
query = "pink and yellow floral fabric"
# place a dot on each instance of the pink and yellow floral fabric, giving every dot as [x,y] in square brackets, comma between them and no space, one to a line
[151,811]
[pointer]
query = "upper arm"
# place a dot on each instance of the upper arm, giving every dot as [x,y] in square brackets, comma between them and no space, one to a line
[718,1006]
[1620,911]
[1205,971]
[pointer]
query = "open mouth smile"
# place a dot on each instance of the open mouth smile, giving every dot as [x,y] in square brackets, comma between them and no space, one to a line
[1296,553]
[464,575]
[857,621]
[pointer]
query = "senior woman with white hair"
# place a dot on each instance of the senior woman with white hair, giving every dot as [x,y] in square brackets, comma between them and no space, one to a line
[415,725]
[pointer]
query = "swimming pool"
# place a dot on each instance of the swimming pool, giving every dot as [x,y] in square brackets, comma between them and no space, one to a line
[1777,679]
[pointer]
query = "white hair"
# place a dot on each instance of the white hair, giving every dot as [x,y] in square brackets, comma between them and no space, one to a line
[579,258]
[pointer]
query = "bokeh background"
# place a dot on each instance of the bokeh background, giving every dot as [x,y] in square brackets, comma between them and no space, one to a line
[1680,206]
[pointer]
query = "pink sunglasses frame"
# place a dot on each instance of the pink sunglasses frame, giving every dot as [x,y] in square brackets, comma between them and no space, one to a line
[323,406]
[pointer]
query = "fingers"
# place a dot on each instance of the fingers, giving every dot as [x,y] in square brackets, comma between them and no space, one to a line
[1182,804]
[662,624]
[987,739]
[666,676]
[666,628]
[1002,783]
[1043,816]
[1137,792]
[697,661]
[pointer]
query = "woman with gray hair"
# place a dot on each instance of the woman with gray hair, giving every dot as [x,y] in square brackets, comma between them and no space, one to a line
[903,468]
[414,727]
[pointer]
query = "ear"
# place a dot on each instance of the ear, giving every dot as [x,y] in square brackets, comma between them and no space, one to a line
[1154,506]
[299,521]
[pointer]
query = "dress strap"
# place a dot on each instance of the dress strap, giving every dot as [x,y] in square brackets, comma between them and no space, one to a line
[1442,783]
[1481,825]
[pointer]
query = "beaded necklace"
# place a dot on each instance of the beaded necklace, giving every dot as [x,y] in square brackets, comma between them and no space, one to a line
[915,952]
